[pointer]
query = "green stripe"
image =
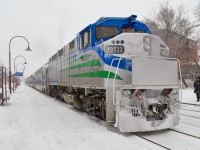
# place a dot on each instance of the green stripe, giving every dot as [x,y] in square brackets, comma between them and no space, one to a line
[84,56]
[94,62]
[79,58]
[101,74]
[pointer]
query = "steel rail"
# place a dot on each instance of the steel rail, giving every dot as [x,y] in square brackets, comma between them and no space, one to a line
[189,116]
[185,133]
[191,104]
[152,141]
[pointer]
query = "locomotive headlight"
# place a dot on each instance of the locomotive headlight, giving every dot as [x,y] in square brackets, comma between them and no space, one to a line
[147,43]
[175,91]
[127,93]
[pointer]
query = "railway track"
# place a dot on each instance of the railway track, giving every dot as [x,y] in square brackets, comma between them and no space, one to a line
[145,136]
[190,104]
[152,141]
[186,107]
[190,114]
[185,133]
[142,135]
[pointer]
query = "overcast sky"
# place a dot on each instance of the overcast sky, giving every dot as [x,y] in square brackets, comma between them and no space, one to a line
[50,24]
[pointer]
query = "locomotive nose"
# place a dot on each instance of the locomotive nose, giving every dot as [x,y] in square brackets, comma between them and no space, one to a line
[142,44]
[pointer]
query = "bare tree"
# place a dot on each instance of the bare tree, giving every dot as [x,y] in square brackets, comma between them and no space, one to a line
[197,11]
[170,22]
[176,29]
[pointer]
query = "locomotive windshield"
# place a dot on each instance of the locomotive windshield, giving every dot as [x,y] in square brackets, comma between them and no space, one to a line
[103,32]
[131,30]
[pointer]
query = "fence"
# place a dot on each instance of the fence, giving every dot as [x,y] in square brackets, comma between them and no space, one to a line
[3,85]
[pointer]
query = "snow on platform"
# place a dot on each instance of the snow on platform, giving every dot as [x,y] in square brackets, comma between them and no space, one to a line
[33,121]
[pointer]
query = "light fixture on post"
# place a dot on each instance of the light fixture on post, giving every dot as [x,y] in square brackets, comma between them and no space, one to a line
[14,75]
[28,49]
[19,72]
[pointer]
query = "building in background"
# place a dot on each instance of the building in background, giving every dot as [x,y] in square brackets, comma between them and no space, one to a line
[183,48]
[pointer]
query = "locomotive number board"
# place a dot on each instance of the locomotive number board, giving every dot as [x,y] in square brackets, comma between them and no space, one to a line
[114,49]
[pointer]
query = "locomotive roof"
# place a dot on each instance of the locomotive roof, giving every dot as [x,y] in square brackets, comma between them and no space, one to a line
[121,22]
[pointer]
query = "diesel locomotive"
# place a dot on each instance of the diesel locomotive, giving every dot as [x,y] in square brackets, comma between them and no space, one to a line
[118,71]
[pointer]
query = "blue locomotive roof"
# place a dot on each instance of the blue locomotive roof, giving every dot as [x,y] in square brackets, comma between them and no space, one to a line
[123,21]
[120,22]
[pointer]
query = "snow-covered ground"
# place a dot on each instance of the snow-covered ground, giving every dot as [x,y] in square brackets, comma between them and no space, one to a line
[34,121]
[188,96]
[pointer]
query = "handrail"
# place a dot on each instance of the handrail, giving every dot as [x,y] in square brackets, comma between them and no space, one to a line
[114,76]
[180,74]
[114,81]
[110,70]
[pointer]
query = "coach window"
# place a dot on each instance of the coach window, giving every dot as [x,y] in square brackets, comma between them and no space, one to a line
[71,44]
[103,32]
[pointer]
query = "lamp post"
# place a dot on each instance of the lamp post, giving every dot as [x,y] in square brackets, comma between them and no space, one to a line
[17,70]
[28,49]
[20,69]
[14,75]
[18,65]
[14,68]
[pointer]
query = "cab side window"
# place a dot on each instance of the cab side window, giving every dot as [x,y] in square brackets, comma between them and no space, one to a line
[85,39]
[81,41]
